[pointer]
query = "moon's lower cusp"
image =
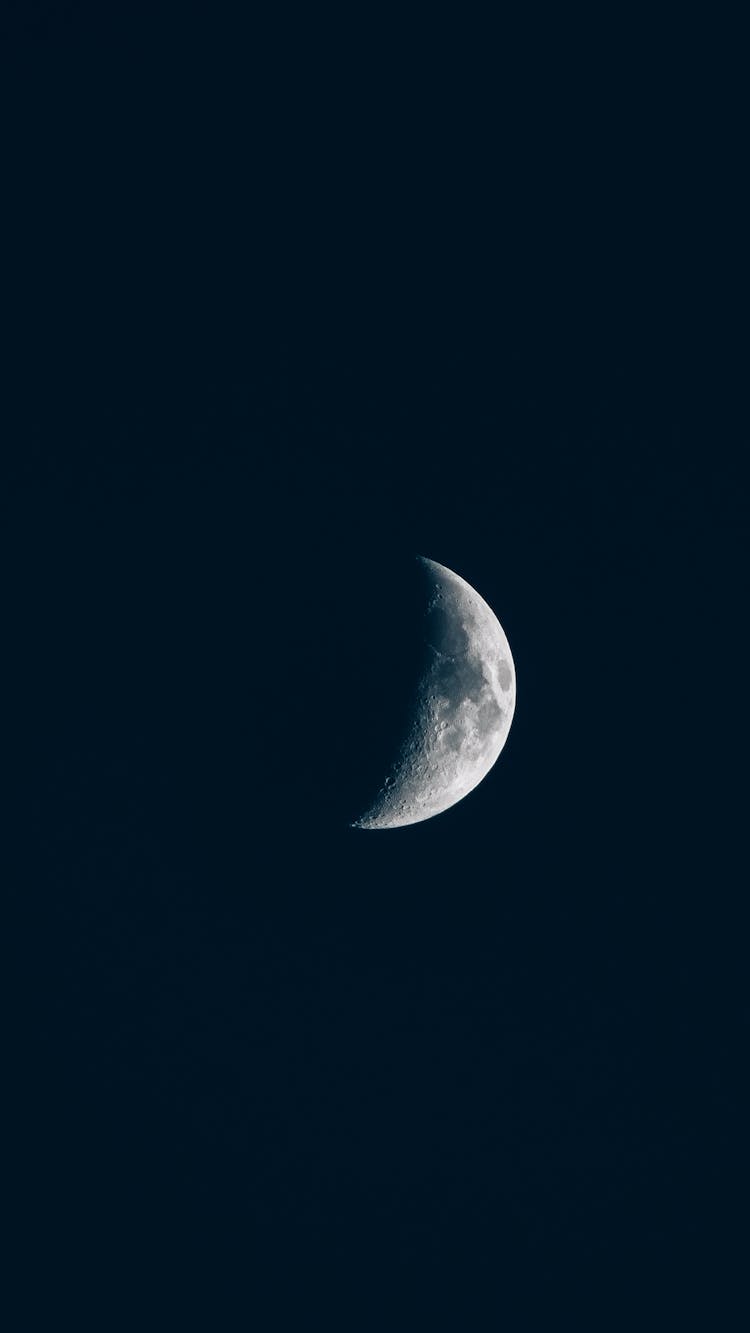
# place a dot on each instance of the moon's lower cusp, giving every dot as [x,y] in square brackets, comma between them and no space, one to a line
[463,710]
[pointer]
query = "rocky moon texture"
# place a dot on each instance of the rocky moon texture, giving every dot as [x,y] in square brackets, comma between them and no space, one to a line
[463,709]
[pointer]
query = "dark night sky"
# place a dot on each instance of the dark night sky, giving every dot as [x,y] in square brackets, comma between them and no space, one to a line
[276,324]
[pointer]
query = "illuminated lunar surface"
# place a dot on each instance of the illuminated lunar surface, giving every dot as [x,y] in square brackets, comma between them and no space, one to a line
[462,711]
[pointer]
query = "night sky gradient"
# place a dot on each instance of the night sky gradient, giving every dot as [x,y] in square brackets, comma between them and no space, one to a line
[285,311]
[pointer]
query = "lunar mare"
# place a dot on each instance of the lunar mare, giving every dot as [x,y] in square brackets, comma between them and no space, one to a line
[462,712]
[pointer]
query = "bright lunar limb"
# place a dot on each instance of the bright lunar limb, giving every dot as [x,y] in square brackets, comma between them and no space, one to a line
[462,712]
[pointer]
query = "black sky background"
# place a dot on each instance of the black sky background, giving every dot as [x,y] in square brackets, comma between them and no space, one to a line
[277,322]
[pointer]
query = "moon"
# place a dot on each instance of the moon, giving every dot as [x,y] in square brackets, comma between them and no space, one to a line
[462,711]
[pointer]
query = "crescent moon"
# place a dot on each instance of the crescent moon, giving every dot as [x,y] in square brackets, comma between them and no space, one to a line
[462,711]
